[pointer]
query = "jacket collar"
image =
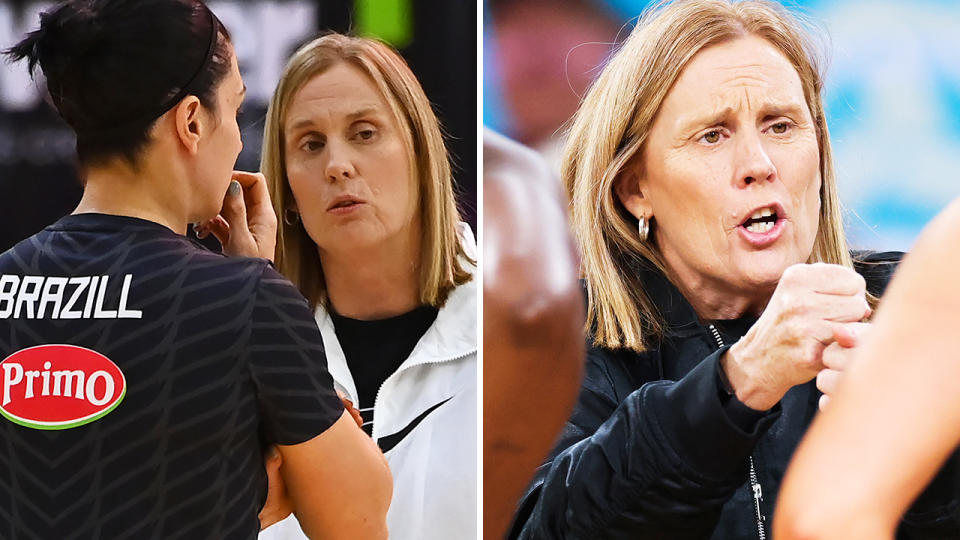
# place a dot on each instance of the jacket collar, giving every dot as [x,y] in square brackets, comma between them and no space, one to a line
[682,320]
[452,335]
[677,313]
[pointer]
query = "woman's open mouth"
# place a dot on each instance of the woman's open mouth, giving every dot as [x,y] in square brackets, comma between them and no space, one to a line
[763,227]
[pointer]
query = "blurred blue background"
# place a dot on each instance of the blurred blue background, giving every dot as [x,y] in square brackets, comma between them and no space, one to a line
[892,95]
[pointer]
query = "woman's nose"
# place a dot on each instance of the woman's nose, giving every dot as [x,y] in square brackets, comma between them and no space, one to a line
[754,162]
[340,162]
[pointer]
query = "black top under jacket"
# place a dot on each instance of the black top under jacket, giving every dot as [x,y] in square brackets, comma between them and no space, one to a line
[655,450]
[375,349]
[220,356]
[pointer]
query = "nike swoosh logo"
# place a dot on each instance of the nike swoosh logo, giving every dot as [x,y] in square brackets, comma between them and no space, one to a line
[387,442]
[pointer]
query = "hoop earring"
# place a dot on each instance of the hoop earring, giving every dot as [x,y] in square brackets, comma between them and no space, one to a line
[291,217]
[643,227]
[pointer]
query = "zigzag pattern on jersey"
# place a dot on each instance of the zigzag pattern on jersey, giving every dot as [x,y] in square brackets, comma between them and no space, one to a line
[180,456]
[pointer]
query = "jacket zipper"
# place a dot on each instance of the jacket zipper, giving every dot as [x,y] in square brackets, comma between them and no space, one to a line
[376,398]
[754,481]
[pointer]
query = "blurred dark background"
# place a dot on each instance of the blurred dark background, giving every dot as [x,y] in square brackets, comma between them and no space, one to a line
[38,173]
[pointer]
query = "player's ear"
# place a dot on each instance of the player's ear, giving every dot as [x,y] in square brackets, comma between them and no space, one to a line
[189,122]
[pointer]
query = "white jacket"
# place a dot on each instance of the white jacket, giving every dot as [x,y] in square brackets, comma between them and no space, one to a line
[435,465]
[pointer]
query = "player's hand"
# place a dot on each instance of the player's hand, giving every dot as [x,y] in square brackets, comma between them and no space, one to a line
[837,357]
[348,405]
[246,225]
[278,505]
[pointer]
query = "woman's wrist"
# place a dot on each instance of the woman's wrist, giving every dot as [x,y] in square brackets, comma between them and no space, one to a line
[748,389]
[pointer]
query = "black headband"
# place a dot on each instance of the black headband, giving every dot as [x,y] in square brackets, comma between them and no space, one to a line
[158,111]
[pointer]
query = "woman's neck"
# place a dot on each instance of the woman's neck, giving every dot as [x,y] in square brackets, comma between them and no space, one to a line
[378,282]
[145,193]
[714,301]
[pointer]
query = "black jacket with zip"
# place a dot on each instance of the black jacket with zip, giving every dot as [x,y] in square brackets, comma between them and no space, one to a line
[655,450]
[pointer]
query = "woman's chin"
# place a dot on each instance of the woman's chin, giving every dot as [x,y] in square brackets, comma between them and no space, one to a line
[351,236]
[764,270]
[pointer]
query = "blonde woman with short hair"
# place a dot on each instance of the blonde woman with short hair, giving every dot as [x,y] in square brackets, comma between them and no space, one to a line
[370,234]
[704,200]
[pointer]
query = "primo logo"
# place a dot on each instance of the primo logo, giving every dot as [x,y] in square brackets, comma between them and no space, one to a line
[59,386]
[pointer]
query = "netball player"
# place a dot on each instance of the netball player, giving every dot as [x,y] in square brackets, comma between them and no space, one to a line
[144,375]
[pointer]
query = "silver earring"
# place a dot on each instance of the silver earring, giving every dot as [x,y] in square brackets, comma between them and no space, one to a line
[643,227]
[291,217]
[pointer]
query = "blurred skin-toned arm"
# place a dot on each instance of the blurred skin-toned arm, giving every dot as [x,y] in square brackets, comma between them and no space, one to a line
[895,417]
[339,483]
[533,322]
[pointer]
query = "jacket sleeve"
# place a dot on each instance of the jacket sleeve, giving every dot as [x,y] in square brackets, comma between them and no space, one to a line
[659,464]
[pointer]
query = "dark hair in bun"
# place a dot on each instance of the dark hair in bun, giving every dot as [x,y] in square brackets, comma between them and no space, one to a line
[114,66]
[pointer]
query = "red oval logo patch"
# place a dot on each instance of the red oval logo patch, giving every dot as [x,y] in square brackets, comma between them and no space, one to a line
[59,386]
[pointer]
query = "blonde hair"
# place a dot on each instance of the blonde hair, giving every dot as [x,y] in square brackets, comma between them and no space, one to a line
[626,96]
[297,257]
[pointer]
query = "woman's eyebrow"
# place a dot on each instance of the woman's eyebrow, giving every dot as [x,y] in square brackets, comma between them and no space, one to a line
[767,110]
[307,122]
[302,123]
[365,111]
[712,119]
[780,109]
